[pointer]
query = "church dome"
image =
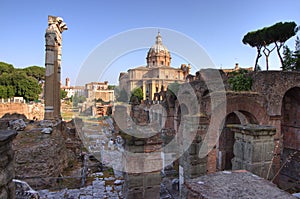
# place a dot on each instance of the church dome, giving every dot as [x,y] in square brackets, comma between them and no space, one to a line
[158,46]
[158,54]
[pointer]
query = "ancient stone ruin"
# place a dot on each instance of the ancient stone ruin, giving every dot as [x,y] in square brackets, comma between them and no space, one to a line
[257,132]
[205,144]
[7,168]
[53,38]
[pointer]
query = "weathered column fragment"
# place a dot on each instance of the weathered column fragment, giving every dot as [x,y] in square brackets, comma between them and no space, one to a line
[143,165]
[253,149]
[193,162]
[52,63]
[142,161]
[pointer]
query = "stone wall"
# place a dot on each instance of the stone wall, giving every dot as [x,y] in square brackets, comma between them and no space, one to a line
[41,158]
[273,85]
[7,171]
[281,91]
[253,149]
[29,110]
[263,105]
[194,159]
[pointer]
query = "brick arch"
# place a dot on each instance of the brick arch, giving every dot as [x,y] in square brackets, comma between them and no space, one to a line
[244,103]
[247,105]
[290,126]
[283,93]
[224,145]
[251,105]
[276,99]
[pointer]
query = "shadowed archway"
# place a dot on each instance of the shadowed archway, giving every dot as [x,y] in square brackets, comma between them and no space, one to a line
[290,131]
[226,140]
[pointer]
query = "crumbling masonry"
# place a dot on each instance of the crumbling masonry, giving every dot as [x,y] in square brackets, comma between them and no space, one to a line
[258,132]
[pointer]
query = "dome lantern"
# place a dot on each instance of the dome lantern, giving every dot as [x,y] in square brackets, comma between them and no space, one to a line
[158,55]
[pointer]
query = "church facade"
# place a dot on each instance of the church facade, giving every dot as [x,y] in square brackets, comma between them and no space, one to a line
[156,75]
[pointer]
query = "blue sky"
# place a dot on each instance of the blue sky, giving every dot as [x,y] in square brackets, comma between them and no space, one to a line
[217,26]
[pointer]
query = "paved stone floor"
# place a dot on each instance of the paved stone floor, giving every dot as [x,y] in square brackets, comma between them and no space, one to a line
[99,189]
[102,188]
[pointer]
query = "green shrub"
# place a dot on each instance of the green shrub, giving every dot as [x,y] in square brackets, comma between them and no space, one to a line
[240,82]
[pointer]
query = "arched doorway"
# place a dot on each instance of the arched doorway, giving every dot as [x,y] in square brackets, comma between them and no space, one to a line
[226,140]
[290,131]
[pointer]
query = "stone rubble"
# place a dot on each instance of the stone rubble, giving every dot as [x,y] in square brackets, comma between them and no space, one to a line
[98,190]
[46,123]
[18,125]
[101,189]
[47,130]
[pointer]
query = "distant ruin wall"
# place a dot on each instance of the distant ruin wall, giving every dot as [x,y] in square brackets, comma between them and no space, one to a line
[29,110]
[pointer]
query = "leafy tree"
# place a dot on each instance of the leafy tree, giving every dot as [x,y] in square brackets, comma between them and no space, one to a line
[239,81]
[6,68]
[6,79]
[254,39]
[16,82]
[63,94]
[276,34]
[291,60]
[10,90]
[6,92]
[111,87]
[35,71]
[280,33]
[28,88]
[3,92]
[288,60]
[137,93]
[267,35]
[78,99]
[260,39]
[296,54]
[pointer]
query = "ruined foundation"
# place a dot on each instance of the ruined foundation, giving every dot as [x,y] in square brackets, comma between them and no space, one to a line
[7,169]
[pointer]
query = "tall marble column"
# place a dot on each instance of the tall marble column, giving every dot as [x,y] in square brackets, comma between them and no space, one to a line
[53,38]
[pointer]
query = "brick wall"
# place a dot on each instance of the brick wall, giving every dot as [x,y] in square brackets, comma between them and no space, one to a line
[29,110]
